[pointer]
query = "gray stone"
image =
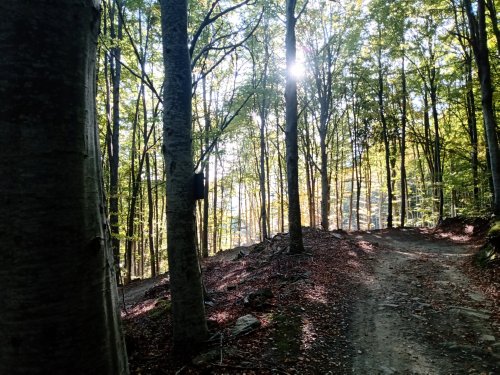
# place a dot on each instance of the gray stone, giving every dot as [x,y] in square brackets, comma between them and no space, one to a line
[487,338]
[389,305]
[479,314]
[245,324]
[207,357]
[259,298]
[476,296]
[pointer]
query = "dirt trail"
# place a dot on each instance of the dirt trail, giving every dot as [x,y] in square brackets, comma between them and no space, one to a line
[418,313]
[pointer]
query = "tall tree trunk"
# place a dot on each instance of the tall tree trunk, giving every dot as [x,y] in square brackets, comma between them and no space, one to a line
[281,179]
[208,126]
[114,143]
[325,183]
[240,188]
[494,22]
[438,172]
[262,176]
[215,223]
[263,109]
[59,298]
[472,125]
[292,154]
[479,41]
[403,140]
[385,134]
[189,324]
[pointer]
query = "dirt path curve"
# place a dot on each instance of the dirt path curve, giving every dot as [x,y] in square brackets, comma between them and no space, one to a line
[418,313]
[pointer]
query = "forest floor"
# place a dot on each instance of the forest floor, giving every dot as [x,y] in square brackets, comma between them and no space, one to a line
[399,301]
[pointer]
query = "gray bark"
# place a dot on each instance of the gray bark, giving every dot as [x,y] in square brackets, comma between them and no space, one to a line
[208,126]
[385,134]
[292,153]
[404,119]
[189,325]
[59,300]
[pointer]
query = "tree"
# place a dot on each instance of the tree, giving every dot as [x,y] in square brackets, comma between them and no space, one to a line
[292,153]
[479,42]
[114,58]
[189,325]
[59,295]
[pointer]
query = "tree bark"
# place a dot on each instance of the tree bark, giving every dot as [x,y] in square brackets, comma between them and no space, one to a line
[385,135]
[114,143]
[479,41]
[404,119]
[59,312]
[292,154]
[208,126]
[189,324]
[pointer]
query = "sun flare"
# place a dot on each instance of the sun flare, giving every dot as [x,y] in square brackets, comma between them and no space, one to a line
[297,70]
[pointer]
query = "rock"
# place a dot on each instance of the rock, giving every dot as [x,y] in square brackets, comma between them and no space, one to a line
[337,236]
[257,248]
[207,357]
[241,254]
[259,298]
[479,314]
[487,338]
[387,370]
[419,317]
[476,296]
[299,276]
[245,324]
[389,305]
[157,291]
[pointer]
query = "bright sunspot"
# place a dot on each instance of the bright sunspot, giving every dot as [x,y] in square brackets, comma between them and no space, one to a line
[297,70]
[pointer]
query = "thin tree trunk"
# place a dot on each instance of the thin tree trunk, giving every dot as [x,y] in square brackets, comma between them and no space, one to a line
[215,223]
[438,176]
[403,140]
[114,143]
[208,126]
[280,177]
[385,134]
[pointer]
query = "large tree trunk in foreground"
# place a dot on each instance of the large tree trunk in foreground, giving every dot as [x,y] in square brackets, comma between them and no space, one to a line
[292,152]
[189,325]
[59,302]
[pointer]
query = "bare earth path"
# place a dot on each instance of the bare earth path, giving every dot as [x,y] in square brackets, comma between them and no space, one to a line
[418,313]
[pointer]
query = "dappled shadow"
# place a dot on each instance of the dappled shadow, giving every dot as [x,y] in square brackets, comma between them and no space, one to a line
[304,325]
[421,314]
[306,305]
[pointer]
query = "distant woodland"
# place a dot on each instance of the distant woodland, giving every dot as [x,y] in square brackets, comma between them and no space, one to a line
[392,128]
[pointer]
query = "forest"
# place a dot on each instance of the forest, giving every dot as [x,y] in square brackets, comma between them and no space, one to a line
[140,138]
[391,124]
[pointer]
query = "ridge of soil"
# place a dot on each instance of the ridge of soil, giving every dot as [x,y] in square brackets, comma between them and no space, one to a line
[399,301]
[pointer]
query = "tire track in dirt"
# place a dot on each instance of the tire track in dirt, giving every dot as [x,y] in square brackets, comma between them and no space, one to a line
[418,313]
